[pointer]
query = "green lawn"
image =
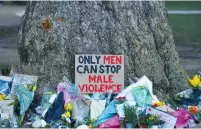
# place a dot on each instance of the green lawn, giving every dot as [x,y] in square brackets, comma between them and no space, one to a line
[186,29]
[183,5]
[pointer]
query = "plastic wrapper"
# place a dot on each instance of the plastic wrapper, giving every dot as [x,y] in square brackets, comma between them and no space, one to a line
[70,90]
[45,101]
[186,93]
[183,117]
[21,79]
[113,122]
[57,109]
[98,96]
[142,96]
[143,81]
[96,108]
[25,98]
[6,110]
[189,101]
[108,113]
[120,111]
[57,124]
[5,85]
[13,121]
[80,111]
[196,93]
[82,127]
[45,104]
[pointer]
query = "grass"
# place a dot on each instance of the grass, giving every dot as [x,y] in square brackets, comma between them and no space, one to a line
[183,5]
[6,32]
[186,29]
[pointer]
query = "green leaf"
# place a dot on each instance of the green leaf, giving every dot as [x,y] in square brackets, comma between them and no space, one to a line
[20,120]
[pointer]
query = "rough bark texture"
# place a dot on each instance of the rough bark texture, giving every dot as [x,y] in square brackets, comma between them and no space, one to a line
[138,30]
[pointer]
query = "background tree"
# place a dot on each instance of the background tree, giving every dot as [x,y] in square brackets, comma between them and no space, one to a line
[52,33]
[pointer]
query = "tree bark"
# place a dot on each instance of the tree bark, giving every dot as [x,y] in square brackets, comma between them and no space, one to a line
[52,33]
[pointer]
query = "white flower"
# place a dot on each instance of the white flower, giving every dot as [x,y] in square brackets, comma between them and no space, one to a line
[68,120]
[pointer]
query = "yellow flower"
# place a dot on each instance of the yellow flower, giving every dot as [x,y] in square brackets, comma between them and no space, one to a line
[90,126]
[158,104]
[68,107]
[67,114]
[195,81]
[2,97]
[34,88]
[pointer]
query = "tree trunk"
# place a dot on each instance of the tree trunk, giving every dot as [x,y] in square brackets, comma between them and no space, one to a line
[52,33]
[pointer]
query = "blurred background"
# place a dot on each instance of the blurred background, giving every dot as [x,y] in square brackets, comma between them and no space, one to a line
[184,17]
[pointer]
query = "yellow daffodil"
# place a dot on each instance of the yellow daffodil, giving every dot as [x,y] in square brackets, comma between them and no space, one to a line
[2,97]
[34,88]
[67,114]
[195,81]
[68,107]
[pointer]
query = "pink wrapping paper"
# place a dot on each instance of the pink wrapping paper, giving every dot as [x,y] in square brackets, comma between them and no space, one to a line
[183,117]
[113,122]
[67,97]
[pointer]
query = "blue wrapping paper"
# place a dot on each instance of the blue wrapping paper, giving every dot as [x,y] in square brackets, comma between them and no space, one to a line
[108,113]
[5,87]
[55,112]
[142,96]
[25,98]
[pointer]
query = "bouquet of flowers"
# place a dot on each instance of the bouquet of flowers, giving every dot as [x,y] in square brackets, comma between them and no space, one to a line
[91,123]
[150,120]
[67,115]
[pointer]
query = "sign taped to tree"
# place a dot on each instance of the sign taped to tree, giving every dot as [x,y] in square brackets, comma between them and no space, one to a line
[99,73]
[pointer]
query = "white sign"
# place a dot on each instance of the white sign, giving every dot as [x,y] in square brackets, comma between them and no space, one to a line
[170,120]
[23,79]
[99,73]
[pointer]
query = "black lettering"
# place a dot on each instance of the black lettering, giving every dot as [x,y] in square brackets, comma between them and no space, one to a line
[118,68]
[94,69]
[78,68]
[80,59]
[107,70]
[101,70]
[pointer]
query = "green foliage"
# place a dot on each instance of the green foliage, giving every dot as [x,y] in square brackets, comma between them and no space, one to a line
[150,120]
[144,119]
[20,120]
[91,123]
[130,114]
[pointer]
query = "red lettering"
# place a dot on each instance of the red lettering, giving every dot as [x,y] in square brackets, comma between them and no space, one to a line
[110,79]
[91,88]
[102,88]
[108,87]
[82,87]
[112,59]
[106,59]
[118,59]
[92,78]
[119,87]
[99,79]
[96,88]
